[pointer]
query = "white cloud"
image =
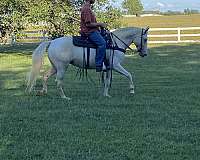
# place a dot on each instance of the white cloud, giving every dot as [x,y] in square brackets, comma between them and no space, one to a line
[160,4]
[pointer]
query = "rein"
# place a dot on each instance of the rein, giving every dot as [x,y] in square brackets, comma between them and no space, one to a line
[141,44]
[123,50]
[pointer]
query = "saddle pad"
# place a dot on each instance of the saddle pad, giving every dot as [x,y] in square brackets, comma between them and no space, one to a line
[82,42]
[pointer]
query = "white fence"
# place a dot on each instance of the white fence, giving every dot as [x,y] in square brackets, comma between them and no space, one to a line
[41,35]
[178,35]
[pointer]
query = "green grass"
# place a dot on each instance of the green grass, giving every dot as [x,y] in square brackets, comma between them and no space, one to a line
[173,21]
[160,122]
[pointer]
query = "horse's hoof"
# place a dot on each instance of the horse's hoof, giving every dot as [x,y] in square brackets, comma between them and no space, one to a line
[40,93]
[108,96]
[132,92]
[66,98]
[44,91]
[27,91]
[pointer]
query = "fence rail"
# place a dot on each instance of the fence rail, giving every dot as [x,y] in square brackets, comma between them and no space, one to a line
[41,35]
[179,35]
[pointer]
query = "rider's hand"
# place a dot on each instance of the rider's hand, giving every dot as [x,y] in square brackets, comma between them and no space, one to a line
[103,25]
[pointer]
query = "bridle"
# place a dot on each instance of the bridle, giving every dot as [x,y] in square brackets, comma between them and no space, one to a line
[116,46]
[123,50]
[141,42]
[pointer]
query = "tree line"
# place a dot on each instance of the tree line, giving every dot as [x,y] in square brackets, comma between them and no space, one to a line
[60,17]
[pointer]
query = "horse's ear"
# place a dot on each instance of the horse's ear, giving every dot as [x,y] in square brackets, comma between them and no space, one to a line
[146,30]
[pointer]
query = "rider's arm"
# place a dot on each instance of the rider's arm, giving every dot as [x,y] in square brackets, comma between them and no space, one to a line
[93,25]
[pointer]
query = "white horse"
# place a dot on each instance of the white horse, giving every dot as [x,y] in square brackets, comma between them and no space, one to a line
[62,52]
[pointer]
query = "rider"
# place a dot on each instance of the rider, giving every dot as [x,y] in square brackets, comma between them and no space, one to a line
[90,27]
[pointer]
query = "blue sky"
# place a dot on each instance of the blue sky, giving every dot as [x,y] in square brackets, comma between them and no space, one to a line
[165,5]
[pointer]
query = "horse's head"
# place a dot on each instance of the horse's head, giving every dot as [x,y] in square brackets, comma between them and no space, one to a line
[126,36]
[141,42]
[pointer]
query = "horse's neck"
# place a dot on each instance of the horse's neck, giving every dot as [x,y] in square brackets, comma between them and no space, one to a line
[127,36]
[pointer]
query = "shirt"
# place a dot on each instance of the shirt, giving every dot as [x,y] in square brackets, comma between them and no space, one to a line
[87,16]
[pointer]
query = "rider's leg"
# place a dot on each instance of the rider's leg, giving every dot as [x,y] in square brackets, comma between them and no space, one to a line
[97,39]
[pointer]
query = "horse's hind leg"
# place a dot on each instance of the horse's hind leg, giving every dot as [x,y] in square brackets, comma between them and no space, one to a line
[59,78]
[124,72]
[46,76]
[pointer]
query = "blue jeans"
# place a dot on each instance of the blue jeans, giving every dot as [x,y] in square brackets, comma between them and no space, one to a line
[99,41]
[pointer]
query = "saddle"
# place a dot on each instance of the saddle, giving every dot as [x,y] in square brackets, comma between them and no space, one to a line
[82,41]
[85,43]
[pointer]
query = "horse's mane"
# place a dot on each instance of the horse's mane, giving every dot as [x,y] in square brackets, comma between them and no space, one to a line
[125,30]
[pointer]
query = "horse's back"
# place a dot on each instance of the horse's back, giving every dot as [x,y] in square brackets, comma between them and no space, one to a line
[61,42]
[60,49]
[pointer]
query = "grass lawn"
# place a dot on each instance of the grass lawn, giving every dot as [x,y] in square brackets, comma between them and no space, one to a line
[160,122]
[172,21]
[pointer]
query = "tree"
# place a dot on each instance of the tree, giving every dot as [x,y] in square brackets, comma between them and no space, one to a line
[55,14]
[59,17]
[12,16]
[133,6]
[190,11]
[62,16]
[108,14]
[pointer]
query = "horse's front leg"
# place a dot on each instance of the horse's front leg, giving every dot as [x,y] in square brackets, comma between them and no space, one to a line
[107,79]
[118,68]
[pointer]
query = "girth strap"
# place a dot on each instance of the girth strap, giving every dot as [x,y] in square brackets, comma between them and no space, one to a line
[88,58]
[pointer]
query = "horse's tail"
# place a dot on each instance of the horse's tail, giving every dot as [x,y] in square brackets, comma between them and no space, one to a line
[37,59]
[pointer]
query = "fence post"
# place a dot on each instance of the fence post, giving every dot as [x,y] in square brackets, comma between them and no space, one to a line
[44,32]
[13,39]
[179,34]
